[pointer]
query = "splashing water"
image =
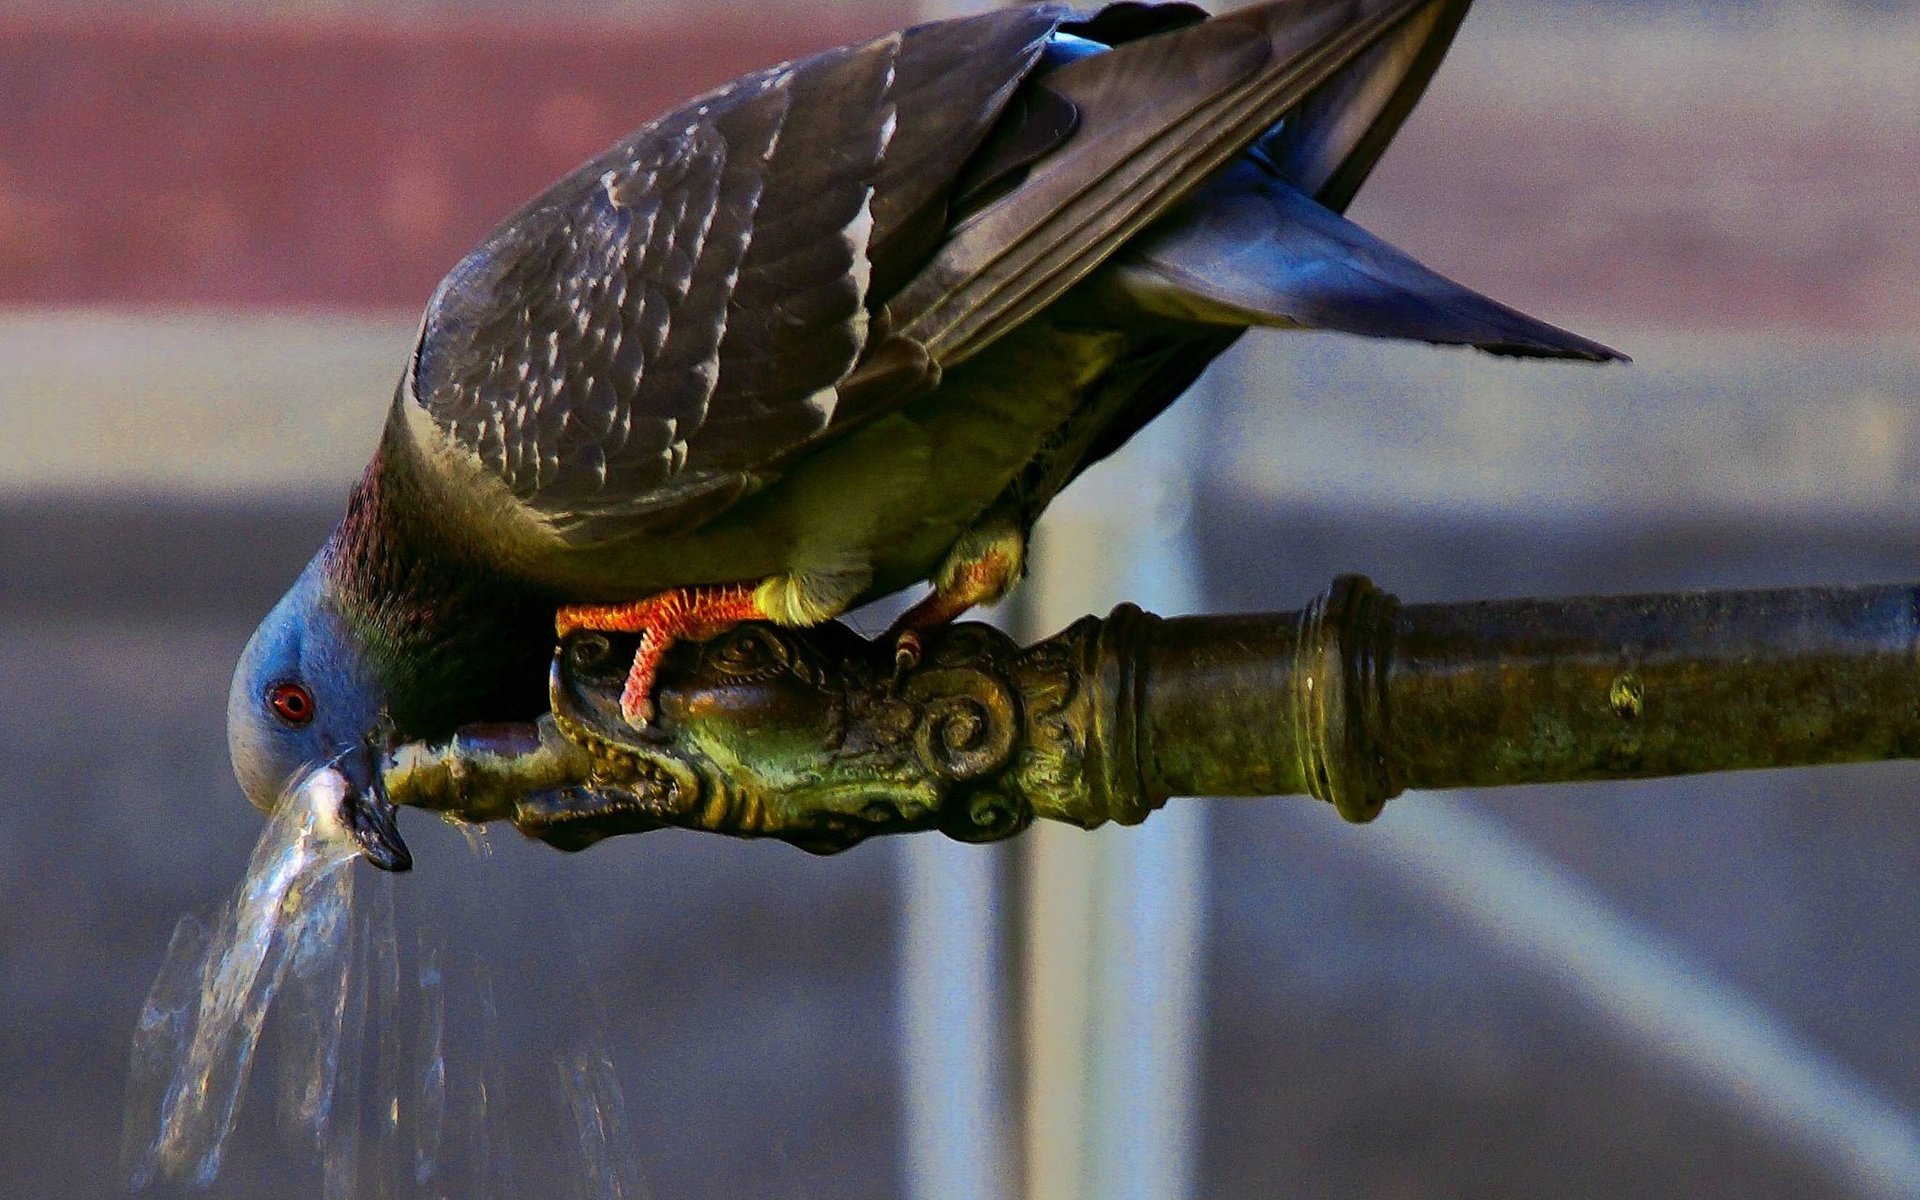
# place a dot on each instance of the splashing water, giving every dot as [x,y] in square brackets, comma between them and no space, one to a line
[288,918]
[392,1074]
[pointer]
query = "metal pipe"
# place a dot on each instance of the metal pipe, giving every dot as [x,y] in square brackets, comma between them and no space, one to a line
[814,737]
[1378,698]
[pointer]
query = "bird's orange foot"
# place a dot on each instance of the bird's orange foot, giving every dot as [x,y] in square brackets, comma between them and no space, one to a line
[690,614]
[981,578]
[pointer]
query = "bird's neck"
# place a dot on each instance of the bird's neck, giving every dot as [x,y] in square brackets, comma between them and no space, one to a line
[459,639]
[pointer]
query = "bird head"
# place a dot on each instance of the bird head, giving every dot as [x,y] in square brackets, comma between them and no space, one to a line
[308,696]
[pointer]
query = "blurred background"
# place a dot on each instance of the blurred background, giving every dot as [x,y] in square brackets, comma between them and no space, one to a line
[218,222]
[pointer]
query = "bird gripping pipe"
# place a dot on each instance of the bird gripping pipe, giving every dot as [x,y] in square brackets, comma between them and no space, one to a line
[814,737]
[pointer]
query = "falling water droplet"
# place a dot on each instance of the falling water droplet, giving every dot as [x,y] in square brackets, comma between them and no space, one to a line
[475,835]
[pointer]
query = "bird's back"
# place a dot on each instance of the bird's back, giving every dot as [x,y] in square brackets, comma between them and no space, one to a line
[824,317]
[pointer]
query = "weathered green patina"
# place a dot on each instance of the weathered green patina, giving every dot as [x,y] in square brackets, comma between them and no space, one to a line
[816,738]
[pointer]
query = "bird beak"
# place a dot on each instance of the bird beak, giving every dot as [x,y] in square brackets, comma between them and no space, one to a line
[367,812]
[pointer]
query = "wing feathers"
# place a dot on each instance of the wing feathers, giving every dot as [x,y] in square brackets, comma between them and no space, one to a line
[642,344]
[801,290]
[951,81]
[1328,145]
[1157,116]
[684,307]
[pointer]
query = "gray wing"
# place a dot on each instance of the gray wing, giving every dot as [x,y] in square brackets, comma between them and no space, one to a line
[776,262]
[643,342]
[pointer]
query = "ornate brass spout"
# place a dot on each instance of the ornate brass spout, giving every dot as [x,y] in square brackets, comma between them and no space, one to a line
[813,737]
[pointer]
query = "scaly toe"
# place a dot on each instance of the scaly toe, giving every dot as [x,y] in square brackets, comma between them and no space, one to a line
[638,710]
[907,650]
[636,698]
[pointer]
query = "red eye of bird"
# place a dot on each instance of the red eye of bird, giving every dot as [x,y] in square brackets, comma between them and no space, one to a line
[291,703]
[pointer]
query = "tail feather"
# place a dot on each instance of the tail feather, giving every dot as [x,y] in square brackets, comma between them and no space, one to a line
[1250,250]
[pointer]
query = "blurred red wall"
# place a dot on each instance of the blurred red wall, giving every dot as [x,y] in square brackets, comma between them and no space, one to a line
[342,161]
[339,161]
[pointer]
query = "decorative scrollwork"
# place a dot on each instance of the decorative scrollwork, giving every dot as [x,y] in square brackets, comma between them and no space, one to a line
[816,738]
[990,814]
[749,654]
[968,722]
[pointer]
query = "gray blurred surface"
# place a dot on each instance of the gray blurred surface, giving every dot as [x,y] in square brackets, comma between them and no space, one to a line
[1788,427]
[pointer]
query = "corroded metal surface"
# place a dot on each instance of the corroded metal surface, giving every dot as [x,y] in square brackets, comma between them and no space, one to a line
[815,737]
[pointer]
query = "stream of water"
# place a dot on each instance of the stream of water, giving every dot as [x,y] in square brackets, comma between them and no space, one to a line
[390,1068]
[194,1046]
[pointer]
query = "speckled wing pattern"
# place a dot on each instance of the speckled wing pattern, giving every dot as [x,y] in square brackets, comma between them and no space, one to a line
[639,344]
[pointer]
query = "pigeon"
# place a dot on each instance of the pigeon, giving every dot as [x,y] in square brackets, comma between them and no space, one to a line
[840,327]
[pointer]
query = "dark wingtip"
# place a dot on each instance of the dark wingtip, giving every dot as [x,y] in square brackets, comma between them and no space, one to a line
[1575,349]
[1588,350]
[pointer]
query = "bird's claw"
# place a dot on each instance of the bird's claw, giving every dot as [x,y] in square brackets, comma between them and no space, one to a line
[907,650]
[681,614]
[638,713]
[636,697]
